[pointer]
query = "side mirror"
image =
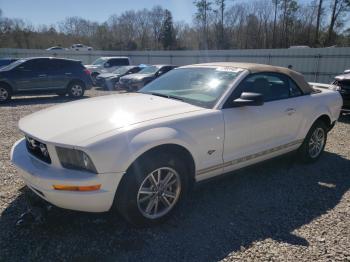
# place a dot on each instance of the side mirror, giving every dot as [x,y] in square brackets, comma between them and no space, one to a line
[106,65]
[249,99]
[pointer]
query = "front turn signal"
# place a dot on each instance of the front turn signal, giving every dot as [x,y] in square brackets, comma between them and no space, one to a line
[77,188]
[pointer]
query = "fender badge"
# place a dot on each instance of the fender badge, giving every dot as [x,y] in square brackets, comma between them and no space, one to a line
[211,151]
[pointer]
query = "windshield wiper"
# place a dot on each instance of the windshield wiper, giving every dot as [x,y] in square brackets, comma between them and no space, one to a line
[167,96]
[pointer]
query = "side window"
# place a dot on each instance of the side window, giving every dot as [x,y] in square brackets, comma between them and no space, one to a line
[118,62]
[135,70]
[34,65]
[50,65]
[58,65]
[167,69]
[272,86]
[161,71]
[294,90]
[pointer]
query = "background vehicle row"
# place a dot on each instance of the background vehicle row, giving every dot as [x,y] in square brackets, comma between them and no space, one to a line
[107,65]
[136,81]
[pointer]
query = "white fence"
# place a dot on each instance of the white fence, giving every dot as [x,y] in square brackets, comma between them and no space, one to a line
[317,64]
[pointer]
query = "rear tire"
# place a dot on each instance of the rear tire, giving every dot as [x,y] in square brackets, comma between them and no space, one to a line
[76,89]
[314,143]
[143,201]
[5,93]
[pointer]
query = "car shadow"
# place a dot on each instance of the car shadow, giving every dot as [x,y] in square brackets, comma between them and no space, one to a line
[111,90]
[36,100]
[228,214]
[345,117]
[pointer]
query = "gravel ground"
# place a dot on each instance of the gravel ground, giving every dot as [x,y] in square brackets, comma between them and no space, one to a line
[280,210]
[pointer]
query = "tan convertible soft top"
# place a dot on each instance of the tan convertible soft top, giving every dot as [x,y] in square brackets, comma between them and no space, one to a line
[257,68]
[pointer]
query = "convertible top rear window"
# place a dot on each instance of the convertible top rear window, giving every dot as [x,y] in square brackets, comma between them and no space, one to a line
[202,86]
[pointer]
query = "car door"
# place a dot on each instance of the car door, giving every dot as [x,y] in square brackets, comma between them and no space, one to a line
[59,73]
[256,132]
[31,75]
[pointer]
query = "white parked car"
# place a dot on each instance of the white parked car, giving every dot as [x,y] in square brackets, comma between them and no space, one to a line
[141,152]
[81,47]
[56,48]
[107,65]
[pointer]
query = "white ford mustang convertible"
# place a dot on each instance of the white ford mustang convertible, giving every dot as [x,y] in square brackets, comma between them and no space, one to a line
[140,152]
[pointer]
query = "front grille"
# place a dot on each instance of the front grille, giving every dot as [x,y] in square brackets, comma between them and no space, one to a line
[38,149]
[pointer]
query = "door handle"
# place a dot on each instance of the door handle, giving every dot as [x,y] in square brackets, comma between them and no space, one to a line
[290,111]
[43,75]
[67,74]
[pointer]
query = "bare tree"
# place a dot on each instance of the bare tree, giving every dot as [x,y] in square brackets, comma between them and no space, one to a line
[156,17]
[202,14]
[275,3]
[338,8]
[318,21]
[242,24]
[221,7]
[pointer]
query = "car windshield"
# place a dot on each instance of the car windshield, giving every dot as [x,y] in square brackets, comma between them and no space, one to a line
[122,70]
[149,70]
[198,86]
[99,61]
[12,65]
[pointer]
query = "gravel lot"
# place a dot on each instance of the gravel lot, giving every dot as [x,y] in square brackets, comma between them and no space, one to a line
[279,210]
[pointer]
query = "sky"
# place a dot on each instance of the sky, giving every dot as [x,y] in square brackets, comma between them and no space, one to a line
[52,11]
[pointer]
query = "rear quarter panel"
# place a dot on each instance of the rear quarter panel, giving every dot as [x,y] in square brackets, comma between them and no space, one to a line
[323,102]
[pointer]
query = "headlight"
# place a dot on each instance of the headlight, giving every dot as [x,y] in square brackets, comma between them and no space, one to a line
[75,159]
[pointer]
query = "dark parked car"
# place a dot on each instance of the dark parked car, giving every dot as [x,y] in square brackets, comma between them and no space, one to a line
[108,80]
[342,83]
[44,75]
[136,81]
[6,61]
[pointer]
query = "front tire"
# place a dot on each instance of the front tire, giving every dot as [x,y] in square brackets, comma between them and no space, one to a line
[76,89]
[151,189]
[314,143]
[5,94]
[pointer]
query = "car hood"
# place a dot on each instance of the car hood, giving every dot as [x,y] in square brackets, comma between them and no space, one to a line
[74,122]
[137,76]
[92,66]
[107,75]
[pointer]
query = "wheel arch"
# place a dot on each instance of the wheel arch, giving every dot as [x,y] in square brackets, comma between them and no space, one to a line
[173,150]
[5,83]
[326,119]
[75,80]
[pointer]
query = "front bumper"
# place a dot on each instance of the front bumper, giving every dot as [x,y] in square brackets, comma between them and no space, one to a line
[129,85]
[40,178]
[106,83]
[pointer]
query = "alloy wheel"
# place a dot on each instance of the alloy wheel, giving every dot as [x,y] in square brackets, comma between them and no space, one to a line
[159,192]
[316,142]
[77,90]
